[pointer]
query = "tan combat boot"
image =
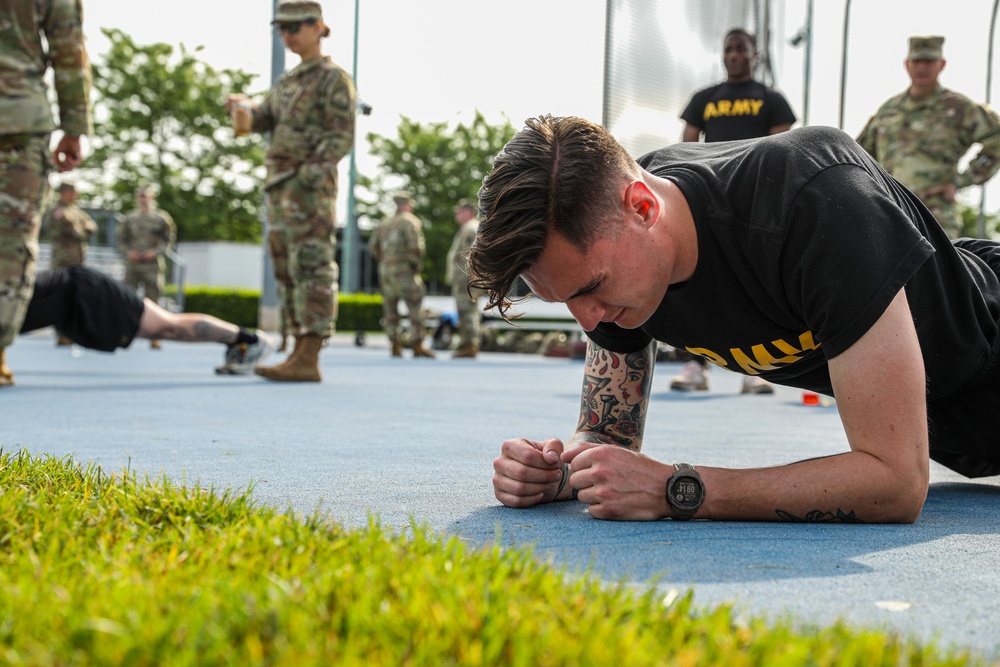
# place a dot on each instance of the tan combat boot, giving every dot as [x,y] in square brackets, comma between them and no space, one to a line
[6,377]
[420,351]
[301,366]
[397,349]
[289,359]
[284,343]
[466,352]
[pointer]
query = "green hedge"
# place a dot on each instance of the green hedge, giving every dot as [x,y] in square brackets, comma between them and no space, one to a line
[359,312]
[356,312]
[238,306]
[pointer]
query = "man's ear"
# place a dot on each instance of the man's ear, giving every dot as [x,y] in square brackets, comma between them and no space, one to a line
[639,200]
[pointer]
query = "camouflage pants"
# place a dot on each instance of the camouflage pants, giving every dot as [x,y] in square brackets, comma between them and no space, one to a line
[402,283]
[303,249]
[147,274]
[66,254]
[469,318]
[24,166]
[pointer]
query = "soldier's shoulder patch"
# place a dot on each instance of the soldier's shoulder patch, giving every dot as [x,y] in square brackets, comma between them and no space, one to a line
[341,97]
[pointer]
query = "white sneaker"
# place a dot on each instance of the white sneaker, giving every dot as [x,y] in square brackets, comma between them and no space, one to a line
[756,385]
[693,377]
[241,358]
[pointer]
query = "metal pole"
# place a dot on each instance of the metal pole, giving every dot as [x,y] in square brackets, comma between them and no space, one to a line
[807,70]
[843,64]
[981,222]
[269,311]
[606,102]
[349,276]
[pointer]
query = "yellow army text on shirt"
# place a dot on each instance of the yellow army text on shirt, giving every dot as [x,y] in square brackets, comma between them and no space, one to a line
[311,112]
[920,142]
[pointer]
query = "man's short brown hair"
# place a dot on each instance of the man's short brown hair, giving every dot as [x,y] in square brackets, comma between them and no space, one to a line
[558,173]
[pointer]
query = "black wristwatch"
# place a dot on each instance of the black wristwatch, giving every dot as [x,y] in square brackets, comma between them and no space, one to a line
[685,491]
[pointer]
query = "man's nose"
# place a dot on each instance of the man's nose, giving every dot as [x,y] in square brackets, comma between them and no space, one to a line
[588,311]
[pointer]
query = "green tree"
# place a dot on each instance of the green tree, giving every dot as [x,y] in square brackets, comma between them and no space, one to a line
[970,222]
[439,165]
[160,118]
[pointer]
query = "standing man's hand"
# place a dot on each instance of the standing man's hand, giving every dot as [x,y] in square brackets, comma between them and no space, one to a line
[67,154]
[618,483]
[528,473]
[236,98]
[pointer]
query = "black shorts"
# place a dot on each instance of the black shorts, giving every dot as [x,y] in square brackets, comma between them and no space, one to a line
[964,427]
[86,306]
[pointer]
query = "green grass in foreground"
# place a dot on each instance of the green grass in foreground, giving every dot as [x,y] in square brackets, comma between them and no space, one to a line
[111,570]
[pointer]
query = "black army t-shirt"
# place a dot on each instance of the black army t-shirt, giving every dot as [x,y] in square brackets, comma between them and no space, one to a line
[731,111]
[803,243]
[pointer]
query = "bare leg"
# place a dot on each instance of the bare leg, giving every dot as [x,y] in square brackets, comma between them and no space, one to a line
[157,322]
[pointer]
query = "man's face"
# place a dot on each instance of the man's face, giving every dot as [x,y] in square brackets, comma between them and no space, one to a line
[463,215]
[620,280]
[738,56]
[924,72]
[67,196]
[299,36]
[144,199]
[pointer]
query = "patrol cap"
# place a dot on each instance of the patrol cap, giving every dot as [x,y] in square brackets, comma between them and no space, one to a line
[465,203]
[926,47]
[297,10]
[67,187]
[402,197]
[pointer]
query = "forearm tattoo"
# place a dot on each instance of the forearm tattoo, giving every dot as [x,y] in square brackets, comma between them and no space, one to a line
[615,396]
[820,516]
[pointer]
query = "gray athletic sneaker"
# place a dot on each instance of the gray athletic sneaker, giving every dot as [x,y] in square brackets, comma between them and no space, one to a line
[241,358]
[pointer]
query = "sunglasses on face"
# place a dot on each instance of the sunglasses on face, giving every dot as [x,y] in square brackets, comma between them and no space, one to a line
[293,27]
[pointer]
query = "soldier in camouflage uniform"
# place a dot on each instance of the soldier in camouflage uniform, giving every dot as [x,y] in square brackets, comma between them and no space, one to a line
[456,274]
[920,135]
[68,229]
[398,247]
[26,123]
[310,113]
[143,237]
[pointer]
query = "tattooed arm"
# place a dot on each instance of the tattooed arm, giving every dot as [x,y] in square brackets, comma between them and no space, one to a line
[615,397]
[880,387]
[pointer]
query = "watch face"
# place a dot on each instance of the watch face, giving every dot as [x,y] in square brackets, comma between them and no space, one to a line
[686,492]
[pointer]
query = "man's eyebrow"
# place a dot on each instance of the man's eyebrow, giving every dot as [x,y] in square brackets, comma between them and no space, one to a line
[588,288]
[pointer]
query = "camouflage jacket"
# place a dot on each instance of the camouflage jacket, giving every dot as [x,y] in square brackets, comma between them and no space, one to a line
[146,231]
[456,269]
[920,142]
[310,112]
[68,229]
[24,104]
[398,242]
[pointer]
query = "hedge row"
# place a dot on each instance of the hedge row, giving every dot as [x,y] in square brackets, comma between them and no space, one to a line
[356,312]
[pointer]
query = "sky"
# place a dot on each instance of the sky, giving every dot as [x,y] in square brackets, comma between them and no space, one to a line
[431,61]
[441,60]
